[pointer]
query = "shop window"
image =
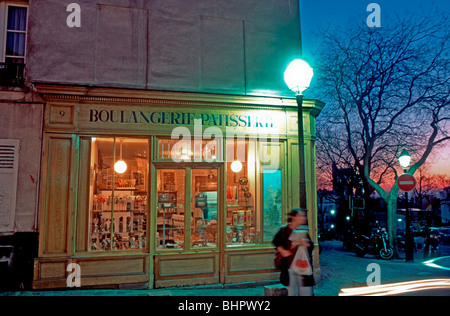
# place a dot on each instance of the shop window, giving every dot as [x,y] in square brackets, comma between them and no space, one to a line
[118,194]
[190,150]
[243,218]
[272,200]
[254,193]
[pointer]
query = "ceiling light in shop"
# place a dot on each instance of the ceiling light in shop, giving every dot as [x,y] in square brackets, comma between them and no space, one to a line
[120,166]
[236,166]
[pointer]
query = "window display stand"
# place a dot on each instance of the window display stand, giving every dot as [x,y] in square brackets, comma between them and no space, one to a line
[119,235]
[167,229]
[241,224]
[167,206]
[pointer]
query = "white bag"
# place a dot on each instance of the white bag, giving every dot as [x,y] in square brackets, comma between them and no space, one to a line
[300,265]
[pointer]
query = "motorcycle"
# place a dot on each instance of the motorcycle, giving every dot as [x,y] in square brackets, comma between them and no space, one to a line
[376,244]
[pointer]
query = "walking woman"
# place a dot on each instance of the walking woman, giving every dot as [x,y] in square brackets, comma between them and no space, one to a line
[295,246]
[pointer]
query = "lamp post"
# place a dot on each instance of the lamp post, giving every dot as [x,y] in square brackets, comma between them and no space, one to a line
[405,160]
[298,77]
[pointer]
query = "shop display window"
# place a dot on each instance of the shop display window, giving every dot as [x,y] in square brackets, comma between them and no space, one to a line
[254,191]
[271,203]
[243,217]
[118,194]
[188,213]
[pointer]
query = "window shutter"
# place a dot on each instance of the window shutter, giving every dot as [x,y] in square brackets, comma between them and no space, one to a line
[9,168]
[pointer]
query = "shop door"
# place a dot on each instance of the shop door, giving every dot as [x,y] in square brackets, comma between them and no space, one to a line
[182,224]
[187,221]
[171,206]
[204,206]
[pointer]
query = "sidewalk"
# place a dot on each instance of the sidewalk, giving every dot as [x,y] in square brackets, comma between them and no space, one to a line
[339,270]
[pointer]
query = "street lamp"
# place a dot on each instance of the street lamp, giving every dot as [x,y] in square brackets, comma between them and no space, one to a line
[298,76]
[405,160]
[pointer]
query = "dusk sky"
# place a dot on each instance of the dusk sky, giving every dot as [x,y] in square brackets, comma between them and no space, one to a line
[316,13]
[338,14]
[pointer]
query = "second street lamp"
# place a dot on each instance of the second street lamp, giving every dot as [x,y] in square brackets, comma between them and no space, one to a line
[298,76]
[404,159]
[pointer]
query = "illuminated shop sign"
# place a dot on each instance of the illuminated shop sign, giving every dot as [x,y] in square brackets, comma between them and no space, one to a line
[182,119]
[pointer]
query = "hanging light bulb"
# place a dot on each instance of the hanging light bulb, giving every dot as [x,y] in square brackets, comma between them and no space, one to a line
[236,166]
[120,166]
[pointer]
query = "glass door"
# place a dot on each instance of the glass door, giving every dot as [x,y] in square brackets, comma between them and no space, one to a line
[204,206]
[171,209]
[182,224]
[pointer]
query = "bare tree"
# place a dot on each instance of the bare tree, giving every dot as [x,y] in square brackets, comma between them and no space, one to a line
[386,89]
[427,185]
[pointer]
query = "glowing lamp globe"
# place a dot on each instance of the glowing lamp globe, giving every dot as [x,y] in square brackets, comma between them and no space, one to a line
[236,166]
[404,159]
[120,166]
[298,76]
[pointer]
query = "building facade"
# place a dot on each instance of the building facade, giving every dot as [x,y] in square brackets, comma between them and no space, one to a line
[169,140]
[21,123]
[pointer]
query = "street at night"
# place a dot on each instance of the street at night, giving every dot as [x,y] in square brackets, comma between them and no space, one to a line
[226,148]
[340,269]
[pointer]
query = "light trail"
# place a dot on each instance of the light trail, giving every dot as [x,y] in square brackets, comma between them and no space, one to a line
[431,263]
[397,288]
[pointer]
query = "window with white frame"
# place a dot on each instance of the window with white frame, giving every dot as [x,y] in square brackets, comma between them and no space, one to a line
[13,33]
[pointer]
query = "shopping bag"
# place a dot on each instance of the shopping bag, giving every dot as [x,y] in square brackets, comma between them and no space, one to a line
[300,264]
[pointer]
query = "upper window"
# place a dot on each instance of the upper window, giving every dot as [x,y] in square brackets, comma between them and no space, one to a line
[16,32]
[189,150]
[12,61]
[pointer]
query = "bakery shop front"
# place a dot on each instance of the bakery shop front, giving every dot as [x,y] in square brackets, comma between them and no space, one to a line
[151,189]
